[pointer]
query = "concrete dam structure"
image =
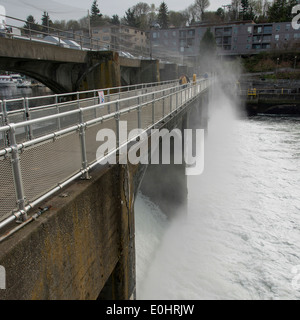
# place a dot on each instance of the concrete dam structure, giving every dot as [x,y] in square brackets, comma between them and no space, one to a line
[81,244]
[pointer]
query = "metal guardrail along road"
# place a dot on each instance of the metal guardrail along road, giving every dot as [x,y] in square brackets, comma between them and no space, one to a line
[44,148]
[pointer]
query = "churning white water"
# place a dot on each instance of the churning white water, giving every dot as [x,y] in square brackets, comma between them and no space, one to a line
[241,239]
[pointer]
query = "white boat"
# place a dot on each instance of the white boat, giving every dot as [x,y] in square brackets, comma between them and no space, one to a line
[7,81]
[23,83]
[16,77]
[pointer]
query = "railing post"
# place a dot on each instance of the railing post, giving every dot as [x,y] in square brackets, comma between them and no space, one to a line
[117,117]
[177,99]
[2,113]
[6,121]
[171,98]
[57,111]
[108,100]
[16,167]
[28,118]
[83,146]
[163,104]
[139,111]
[153,108]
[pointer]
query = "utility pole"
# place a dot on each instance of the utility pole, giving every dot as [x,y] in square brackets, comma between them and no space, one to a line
[89,22]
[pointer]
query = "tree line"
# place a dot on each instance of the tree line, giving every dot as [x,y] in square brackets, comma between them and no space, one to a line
[144,16]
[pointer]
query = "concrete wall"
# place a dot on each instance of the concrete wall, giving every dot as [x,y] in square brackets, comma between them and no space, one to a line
[71,252]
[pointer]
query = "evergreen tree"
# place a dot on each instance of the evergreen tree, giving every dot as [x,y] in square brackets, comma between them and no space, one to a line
[281,10]
[247,11]
[31,25]
[163,16]
[207,51]
[130,19]
[46,22]
[208,44]
[95,14]
[115,20]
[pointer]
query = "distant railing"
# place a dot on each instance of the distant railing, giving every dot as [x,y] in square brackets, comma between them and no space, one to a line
[43,154]
[271,94]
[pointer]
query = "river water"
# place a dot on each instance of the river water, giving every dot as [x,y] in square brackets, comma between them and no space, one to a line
[241,237]
[14,92]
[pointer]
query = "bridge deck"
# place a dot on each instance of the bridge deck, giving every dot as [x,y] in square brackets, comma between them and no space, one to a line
[57,143]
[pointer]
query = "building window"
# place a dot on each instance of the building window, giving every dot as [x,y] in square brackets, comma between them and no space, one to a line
[219,40]
[266,46]
[268,29]
[256,38]
[267,38]
[219,32]
[249,30]
[248,46]
[257,29]
[288,27]
[276,37]
[182,34]
[287,37]
[256,46]
[278,28]
[174,33]
[227,31]
[190,42]
[191,33]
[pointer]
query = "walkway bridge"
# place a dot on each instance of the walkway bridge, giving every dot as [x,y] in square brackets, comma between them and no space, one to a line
[83,65]
[75,236]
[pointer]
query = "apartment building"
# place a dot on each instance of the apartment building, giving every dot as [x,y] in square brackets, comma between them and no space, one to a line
[235,38]
[122,38]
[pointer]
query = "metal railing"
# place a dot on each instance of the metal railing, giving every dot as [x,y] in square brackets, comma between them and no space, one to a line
[23,109]
[271,94]
[34,168]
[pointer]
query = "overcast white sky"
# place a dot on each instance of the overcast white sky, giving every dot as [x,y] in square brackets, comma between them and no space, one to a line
[75,9]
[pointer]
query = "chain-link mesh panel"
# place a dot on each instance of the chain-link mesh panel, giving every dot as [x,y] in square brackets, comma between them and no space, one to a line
[46,165]
[40,113]
[146,115]
[16,117]
[2,140]
[131,120]
[41,101]
[7,189]
[15,104]
[158,109]
[92,144]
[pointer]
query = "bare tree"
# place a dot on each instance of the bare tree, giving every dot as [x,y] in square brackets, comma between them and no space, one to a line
[201,6]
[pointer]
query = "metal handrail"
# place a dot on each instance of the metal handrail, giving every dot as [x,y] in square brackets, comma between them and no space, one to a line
[77,94]
[13,150]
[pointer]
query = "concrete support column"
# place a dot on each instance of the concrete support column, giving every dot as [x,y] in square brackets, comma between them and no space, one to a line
[121,285]
[150,71]
[103,71]
[166,184]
